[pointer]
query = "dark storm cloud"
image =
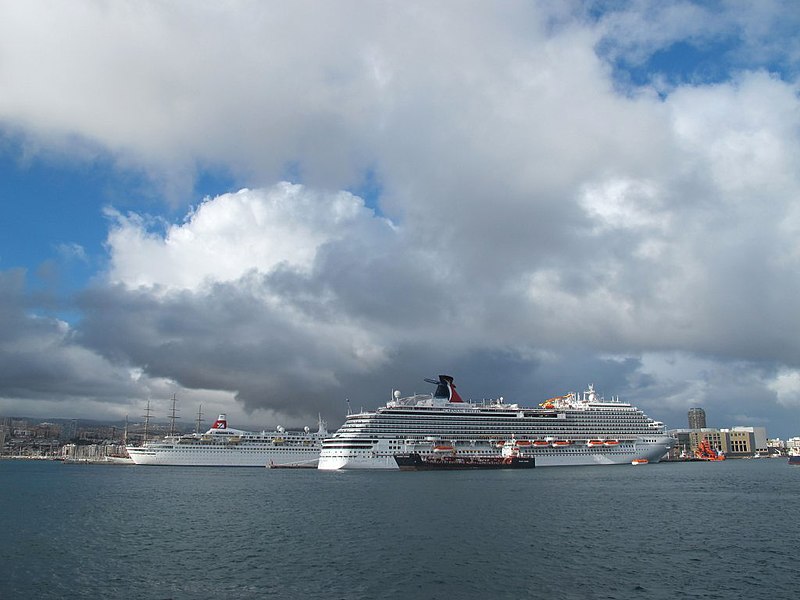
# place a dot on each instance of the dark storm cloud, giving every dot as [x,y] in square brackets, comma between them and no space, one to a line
[40,359]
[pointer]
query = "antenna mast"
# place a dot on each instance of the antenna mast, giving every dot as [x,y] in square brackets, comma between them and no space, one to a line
[199,419]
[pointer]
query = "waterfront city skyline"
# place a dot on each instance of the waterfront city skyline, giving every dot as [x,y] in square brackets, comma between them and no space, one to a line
[272,208]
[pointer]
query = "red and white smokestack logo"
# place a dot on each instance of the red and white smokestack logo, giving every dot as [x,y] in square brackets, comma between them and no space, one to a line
[220,423]
[454,396]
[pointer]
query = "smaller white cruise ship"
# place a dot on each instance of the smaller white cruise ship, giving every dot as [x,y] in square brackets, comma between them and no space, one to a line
[223,446]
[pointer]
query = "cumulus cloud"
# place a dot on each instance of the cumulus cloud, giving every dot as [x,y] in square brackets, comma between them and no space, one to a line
[530,216]
[786,386]
[224,238]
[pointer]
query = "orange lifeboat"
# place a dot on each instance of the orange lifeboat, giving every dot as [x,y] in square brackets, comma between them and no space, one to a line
[540,443]
[443,448]
[523,443]
[561,443]
[611,442]
[639,461]
[594,443]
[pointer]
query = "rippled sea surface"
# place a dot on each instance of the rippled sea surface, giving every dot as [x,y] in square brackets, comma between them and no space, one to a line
[690,530]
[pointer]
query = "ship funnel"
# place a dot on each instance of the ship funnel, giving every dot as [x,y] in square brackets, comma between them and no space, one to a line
[445,389]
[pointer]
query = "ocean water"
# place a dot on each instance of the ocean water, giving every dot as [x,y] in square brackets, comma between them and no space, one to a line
[690,530]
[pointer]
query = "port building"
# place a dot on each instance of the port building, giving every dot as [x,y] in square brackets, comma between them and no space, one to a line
[734,442]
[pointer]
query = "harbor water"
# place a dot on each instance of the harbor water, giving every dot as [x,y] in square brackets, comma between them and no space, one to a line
[670,530]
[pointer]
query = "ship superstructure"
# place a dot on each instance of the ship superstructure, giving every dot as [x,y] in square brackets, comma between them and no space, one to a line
[567,430]
[222,446]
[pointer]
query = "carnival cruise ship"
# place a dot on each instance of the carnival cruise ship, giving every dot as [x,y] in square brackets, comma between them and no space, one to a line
[222,446]
[568,430]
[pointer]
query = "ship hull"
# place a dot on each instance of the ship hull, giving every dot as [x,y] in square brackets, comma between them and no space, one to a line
[382,457]
[221,457]
[119,460]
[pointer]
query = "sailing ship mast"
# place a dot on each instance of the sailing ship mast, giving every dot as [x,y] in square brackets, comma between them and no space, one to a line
[199,419]
[147,415]
[173,415]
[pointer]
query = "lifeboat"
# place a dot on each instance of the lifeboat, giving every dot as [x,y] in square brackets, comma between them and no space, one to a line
[523,443]
[540,443]
[611,442]
[443,448]
[277,441]
[639,461]
[561,443]
[594,443]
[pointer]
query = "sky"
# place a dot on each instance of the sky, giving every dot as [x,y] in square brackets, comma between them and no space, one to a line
[277,209]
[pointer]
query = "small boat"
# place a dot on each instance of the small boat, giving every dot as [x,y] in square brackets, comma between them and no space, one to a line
[413,461]
[541,443]
[561,443]
[510,458]
[524,443]
[611,443]
[639,461]
[794,459]
[593,443]
[443,448]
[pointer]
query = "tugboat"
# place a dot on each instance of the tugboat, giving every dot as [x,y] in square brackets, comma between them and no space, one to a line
[510,458]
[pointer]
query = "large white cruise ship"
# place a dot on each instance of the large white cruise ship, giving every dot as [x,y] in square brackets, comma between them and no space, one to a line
[222,446]
[568,430]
